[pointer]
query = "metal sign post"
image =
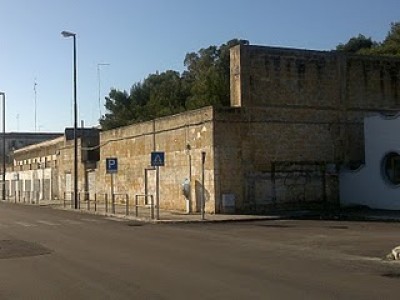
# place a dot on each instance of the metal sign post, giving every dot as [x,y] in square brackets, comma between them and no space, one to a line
[112,168]
[157,160]
[112,194]
[157,193]
[203,160]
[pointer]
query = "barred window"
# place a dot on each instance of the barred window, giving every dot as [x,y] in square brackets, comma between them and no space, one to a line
[391,168]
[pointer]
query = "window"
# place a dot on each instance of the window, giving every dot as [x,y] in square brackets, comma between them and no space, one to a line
[391,168]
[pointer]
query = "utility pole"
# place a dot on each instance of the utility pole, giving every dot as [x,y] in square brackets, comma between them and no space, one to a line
[4,146]
[34,89]
[67,34]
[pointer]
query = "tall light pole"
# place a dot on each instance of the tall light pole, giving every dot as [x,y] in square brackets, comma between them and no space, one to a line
[4,146]
[68,34]
[34,90]
[99,80]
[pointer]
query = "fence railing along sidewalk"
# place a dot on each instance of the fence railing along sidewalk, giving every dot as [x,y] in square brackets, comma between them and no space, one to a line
[114,204]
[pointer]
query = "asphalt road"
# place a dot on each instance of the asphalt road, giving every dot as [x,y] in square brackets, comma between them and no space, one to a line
[54,254]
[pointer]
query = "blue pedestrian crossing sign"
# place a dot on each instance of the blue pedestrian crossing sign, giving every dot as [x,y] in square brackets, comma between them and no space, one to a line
[157,159]
[111,165]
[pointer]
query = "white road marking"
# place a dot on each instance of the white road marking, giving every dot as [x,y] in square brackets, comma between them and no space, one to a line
[71,222]
[25,224]
[47,223]
[92,220]
[116,219]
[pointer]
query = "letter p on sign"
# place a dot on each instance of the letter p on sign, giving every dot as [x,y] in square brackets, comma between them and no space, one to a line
[111,165]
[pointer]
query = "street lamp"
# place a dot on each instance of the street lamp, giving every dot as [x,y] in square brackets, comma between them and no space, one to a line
[68,34]
[4,146]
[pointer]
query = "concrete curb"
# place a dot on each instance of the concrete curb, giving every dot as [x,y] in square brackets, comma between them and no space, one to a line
[190,219]
[229,218]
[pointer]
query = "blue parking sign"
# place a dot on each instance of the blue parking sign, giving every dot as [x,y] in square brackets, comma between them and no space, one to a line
[111,165]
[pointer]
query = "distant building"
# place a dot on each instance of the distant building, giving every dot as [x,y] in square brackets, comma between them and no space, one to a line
[35,171]
[17,140]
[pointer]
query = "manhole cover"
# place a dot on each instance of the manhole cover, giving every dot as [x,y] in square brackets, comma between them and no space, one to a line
[18,248]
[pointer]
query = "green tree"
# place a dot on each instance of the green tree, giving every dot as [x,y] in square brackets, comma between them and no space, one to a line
[208,75]
[119,110]
[355,44]
[204,82]
[167,94]
[362,45]
[391,44]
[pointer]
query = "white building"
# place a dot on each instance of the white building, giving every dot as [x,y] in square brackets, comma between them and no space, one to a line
[377,183]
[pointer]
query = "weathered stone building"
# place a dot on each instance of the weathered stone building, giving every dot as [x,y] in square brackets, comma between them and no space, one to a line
[43,170]
[299,116]
[17,140]
[295,117]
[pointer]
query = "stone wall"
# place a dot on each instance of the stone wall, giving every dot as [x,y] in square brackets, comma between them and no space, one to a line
[293,147]
[65,167]
[87,160]
[266,76]
[182,137]
[299,116]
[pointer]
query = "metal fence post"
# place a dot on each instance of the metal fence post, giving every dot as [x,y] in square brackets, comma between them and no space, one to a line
[113,203]
[136,206]
[152,207]
[127,205]
[88,201]
[95,202]
[106,202]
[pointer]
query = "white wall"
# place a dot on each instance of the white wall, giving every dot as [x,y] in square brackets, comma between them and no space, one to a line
[31,175]
[367,185]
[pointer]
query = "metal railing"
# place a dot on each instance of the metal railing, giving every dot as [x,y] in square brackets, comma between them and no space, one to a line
[146,205]
[30,197]
[143,205]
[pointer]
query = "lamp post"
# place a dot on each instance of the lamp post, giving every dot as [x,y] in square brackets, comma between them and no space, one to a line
[4,146]
[68,34]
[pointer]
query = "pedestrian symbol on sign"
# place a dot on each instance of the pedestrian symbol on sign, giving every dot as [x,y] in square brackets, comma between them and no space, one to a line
[157,159]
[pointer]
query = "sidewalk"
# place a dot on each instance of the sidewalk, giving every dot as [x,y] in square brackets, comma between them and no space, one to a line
[143,214]
[365,214]
[354,214]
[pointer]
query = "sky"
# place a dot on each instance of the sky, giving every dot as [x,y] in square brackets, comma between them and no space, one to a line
[126,40]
